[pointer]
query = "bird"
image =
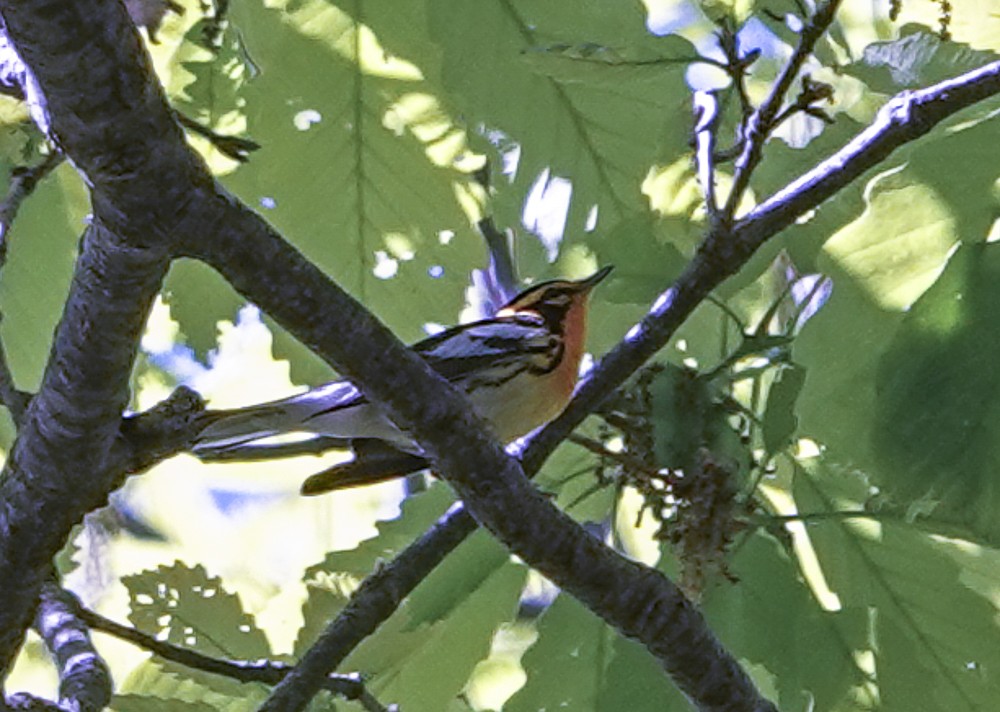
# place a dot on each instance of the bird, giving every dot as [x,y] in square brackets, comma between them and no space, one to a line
[518,368]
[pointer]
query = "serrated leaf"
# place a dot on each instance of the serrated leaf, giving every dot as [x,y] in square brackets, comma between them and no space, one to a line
[934,637]
[770,618]
[358,166]
[917,59]
[600,136]
[206,85]
[155,686]
[192,609]
[149,703]
[417,514]
[427,664]
[330,583]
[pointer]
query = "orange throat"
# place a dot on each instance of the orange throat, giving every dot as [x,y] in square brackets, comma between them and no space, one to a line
[574,337]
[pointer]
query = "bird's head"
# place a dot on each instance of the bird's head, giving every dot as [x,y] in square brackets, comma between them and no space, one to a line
[555,301]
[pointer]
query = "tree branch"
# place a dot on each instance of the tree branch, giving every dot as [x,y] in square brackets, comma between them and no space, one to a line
[762,121]
[351,687]
[84,678]
[89,85]
[56,471]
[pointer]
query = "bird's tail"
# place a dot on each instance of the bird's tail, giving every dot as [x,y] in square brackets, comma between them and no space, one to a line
[373,462]
[225,430]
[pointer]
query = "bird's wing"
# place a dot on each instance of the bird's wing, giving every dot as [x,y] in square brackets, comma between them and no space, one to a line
[470,351]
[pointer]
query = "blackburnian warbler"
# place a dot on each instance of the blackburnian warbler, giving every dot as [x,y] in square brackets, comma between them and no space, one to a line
[518,368]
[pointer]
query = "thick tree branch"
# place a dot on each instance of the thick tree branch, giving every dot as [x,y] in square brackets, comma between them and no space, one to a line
[89,85]
[56,472]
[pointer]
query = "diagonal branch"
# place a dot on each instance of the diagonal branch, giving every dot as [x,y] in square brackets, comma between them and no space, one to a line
[351,687]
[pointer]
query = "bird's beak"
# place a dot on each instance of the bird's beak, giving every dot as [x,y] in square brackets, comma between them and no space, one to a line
[593,280]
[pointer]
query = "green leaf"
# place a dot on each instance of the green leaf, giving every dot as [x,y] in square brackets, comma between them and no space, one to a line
[579,663]
[158,686]
[594,63]
[972,21]
[418,513]
[770,618]
[330,583]
[939,385]
[687,414]
[358,169]
[935,636]
[899,246]
[425,653]
[915,60]
[36,277]
[147,703]
[780,422]
[576,130]
[443,628]
[192,609]
[206,85]
[644,257]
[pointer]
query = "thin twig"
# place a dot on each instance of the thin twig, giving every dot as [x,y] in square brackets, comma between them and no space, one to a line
[349,686]
[706,112]
[761,124]
[501,259]
[623,458]
[23,181]
[736,67]
[239,149]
